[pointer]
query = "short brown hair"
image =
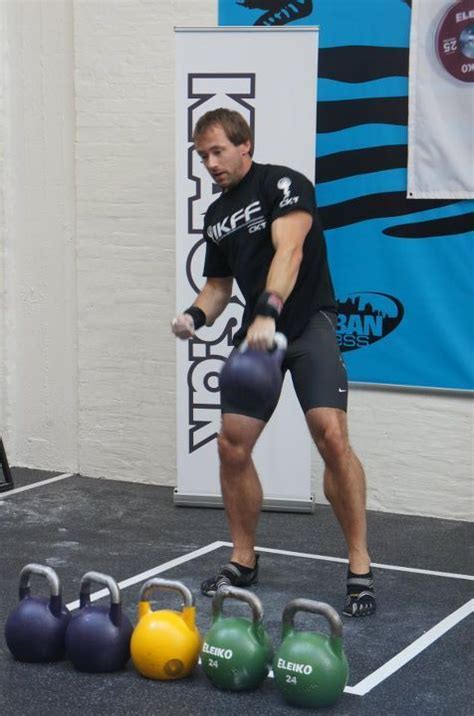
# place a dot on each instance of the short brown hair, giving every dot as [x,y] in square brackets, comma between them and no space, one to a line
[234,125]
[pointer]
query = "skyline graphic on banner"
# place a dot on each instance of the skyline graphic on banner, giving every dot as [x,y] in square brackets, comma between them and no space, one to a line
[417,251]
[277,12]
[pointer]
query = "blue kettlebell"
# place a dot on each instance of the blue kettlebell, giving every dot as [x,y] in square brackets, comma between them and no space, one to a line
[35,629]
[98,638]
[253,379]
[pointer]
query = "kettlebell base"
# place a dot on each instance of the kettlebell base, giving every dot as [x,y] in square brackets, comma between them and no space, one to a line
[39,659]
[99,669]
[154,677]
[235,688]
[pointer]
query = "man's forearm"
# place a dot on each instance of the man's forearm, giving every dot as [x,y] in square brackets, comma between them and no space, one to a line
[284,270]
[212,301]
[288,236]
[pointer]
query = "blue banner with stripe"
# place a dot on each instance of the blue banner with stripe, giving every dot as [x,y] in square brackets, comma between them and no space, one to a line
[402,268]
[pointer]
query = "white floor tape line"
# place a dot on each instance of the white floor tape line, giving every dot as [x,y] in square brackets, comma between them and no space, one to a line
[413,570]
[143,576]
[415,648]
[34,485]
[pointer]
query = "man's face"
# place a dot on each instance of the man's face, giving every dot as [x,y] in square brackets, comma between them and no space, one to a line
[226,163]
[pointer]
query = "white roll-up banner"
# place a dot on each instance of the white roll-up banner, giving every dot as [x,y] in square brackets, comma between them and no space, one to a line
[269,75]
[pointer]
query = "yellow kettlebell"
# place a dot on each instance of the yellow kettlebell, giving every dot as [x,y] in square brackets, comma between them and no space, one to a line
[165,644]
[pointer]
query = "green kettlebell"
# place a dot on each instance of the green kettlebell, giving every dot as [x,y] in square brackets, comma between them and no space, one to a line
[310,669]
[236,653]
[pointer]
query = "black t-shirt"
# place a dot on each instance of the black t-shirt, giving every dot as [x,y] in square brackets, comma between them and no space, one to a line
[237,229]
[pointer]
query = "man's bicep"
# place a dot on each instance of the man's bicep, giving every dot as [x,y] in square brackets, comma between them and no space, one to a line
[291,229]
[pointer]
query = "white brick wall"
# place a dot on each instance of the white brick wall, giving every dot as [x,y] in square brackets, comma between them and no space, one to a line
[3,365]
[88,249]
[124,83]
[38,120]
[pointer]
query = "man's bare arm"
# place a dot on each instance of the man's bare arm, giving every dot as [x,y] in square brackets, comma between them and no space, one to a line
[288,235]
[214,297]
[209,304]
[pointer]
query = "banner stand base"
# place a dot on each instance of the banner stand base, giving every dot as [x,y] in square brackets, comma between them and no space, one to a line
[270,504]
[7,482]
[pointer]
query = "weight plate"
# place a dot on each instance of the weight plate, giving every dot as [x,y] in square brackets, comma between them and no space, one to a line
[455,40]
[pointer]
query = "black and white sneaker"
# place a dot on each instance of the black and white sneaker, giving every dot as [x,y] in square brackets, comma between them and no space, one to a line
[231,574]
[360,598]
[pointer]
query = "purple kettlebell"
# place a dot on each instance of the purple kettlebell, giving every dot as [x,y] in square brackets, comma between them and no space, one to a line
[98,637]
[35,630]
[251,380]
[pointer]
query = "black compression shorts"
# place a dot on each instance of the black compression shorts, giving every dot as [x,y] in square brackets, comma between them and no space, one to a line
[317,370]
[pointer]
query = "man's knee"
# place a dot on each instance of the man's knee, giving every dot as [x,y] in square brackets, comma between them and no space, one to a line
[333,445]
[330,435]
[232,454]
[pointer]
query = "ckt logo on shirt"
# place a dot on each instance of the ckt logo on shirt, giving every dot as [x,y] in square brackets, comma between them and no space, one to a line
[284,185]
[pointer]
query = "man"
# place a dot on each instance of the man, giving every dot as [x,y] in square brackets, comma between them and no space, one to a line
[264,231]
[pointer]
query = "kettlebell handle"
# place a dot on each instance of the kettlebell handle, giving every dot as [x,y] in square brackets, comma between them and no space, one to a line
[280,343]
[55,604]
[242,595]
[109,582]
[43,571]
[167,585]
[309,605]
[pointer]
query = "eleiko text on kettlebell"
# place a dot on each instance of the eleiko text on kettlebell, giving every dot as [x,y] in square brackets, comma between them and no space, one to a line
[217,651]
[292,666]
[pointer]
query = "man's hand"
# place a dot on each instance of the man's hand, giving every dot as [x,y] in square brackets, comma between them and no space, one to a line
[183,326]
[261,333]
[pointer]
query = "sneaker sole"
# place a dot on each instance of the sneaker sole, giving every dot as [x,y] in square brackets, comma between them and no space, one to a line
[210,593]
[358,616]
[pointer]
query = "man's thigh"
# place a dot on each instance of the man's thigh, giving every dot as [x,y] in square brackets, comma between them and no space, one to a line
[316,366]
[241,430]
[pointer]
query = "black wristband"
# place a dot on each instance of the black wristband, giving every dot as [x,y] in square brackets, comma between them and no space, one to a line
[198,316]
[269,304]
